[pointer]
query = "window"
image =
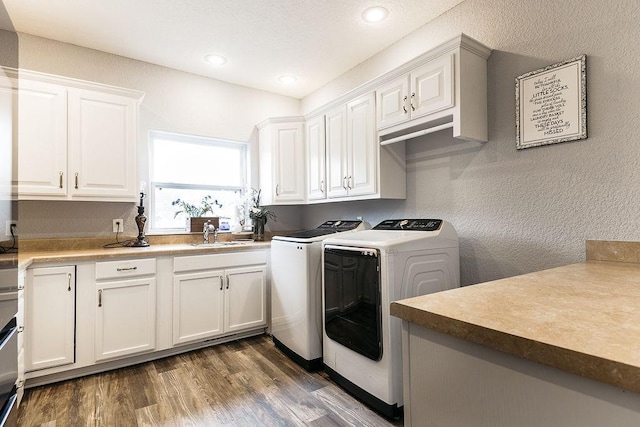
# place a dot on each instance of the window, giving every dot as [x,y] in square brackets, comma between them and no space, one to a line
[191,168]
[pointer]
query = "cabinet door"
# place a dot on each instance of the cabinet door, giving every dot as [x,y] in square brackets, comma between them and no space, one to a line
[362,146]
[125,317]
[42,124]
[245,298]
[289,162]
[198,306]
[49,317]
[393,102]
[336,140]
[315,139]
[432,87]
[102,146]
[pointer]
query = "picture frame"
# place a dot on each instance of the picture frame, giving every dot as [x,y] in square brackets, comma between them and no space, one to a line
[551,104]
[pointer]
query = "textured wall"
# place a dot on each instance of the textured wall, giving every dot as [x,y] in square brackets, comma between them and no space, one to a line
[174,101]
[521,211]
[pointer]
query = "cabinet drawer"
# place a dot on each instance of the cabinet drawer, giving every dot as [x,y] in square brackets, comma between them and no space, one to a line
[125,268]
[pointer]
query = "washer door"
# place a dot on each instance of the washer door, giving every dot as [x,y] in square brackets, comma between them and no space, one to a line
[352,301]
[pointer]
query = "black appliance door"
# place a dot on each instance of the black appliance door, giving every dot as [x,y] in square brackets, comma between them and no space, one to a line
[352,300]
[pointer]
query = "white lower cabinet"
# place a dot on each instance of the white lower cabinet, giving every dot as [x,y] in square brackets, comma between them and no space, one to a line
[97,315]
[208,302]
[198,304]
[125,301]
[50,319]
[245,298]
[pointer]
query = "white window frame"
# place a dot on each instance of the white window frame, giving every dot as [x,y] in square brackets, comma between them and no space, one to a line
[193,139]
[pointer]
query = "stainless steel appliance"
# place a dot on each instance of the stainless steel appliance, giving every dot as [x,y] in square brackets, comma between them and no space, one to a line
[8,336]
[363,273]
[8,247]
[296,289]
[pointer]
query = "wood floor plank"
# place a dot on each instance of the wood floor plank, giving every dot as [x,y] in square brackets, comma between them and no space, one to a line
[243,383]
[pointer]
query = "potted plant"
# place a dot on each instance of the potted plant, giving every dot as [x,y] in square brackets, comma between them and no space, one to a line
[259,215]
[196,213]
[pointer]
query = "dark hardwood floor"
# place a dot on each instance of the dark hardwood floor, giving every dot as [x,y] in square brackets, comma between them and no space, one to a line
[242,383]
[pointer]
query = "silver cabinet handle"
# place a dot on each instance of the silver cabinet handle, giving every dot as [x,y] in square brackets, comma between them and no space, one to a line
[76,180]
[343,182]
[404,104]
[277,189]
[221,282]
[322,186]
[349,183]
[69,280]
[61,176]
[227,281]
[99,297]
[413,95]
[127,269]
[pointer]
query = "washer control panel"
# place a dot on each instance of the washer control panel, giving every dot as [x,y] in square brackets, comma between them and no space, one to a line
[410,224]
[341,225]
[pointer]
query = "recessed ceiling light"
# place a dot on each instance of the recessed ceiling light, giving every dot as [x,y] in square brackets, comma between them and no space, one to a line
[215,59]
[287,79]
[375,14]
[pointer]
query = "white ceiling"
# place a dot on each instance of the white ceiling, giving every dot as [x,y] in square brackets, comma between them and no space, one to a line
[316,40]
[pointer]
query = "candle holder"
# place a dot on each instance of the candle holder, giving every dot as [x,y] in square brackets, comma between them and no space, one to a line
[140,222]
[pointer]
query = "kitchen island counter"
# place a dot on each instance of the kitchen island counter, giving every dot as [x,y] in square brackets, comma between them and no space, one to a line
[582,318]
[557,346]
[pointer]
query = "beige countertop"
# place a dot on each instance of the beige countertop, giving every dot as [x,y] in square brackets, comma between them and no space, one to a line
[582,318]
[29,257]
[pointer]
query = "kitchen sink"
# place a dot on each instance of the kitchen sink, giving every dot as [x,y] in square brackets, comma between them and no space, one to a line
[218,244]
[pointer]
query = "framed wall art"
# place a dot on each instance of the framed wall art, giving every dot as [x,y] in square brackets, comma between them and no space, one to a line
[551,104]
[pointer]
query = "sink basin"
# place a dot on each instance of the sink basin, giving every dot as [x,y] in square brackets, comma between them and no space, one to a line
[218,244]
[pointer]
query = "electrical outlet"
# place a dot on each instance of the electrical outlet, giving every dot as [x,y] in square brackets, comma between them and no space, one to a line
[118,225]
[7,229]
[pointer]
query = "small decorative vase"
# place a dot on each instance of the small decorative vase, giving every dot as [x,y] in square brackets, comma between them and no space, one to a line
[258,229]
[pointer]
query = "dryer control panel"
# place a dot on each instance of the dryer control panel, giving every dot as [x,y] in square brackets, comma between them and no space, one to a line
[410,224]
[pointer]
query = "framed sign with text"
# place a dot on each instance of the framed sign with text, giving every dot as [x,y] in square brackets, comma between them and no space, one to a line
[551,104]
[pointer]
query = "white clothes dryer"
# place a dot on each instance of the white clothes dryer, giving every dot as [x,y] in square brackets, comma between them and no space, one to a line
[363,273]
[296,289]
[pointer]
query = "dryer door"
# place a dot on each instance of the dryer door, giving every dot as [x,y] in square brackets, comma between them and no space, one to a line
[352,301]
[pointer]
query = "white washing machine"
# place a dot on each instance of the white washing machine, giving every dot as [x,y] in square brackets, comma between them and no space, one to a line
[296,290]
[363,273]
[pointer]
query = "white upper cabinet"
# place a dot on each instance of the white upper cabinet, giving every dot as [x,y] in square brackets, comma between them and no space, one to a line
[282,161]
[316,165]
[77,140]
[357,167]
[426,90]
[102,145]
[362,146]
[42,161]
[443,88]
[336,157]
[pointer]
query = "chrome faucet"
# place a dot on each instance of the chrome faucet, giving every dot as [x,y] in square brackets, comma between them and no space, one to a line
[208,228]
